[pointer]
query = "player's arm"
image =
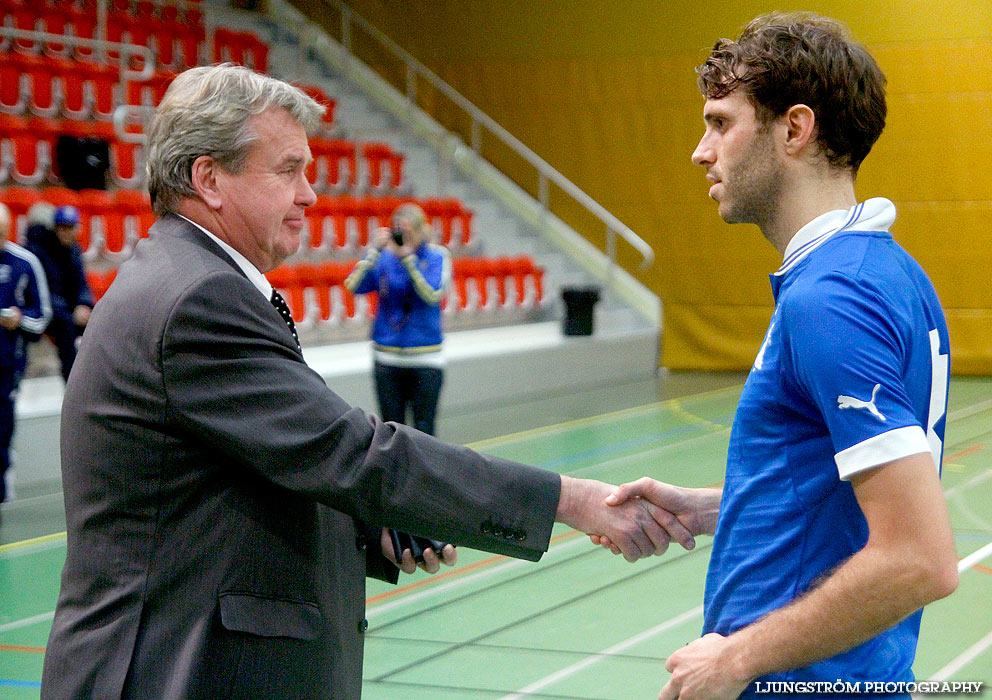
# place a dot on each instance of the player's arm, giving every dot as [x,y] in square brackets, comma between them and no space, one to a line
[909,561]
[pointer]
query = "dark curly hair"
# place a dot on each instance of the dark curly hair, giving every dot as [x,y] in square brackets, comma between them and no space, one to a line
[785,59]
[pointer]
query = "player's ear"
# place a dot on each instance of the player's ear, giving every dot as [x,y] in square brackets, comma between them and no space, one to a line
[204,177]
[800,122]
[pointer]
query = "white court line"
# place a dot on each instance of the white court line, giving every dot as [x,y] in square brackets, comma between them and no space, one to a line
[975,557]
[979,647]
[605,654]
[27,622]
[969,655]
[502,568]
[973,481]
[965,658]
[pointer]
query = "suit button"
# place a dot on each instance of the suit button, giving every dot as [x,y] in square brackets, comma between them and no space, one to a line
[362,626]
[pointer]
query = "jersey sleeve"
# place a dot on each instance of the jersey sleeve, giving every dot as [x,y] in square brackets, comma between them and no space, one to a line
[848,348]
[365,277]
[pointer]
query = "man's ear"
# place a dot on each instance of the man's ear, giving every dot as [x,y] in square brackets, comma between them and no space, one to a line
[800,125]
[204,175]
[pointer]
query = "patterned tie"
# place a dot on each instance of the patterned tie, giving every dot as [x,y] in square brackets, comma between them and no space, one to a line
[283,309]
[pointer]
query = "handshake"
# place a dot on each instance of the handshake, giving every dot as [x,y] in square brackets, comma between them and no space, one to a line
[640,518]
[637,520]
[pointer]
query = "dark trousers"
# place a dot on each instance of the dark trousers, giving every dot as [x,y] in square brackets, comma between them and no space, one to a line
[64,333]
[417,388]
[8,387]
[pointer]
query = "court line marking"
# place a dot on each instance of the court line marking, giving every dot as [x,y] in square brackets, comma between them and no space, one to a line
[593,420]
[973,652]
[27,621]
[974,558]
[612,651]
[464,575]
[979,647]
[965,658]
[969,411]
[55,538]
[21,647]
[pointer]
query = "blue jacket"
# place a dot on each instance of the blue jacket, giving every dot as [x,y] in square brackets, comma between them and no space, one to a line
[22,284]
[63,266]
[408,320]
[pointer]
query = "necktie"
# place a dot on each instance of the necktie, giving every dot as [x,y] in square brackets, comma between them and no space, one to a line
[283,309]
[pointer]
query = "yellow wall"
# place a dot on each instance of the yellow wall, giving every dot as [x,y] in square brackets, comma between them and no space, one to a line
[605,92]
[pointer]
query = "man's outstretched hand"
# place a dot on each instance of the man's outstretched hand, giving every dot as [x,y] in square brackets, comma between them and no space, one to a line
[635,527]
[683,513]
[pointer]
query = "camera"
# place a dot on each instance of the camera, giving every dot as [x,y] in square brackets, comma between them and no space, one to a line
[397,234]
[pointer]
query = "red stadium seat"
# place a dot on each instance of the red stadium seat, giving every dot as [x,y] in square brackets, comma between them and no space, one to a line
[136,208]
[385,167]
[19,200]
[100,281]
[452,220]
[13,92]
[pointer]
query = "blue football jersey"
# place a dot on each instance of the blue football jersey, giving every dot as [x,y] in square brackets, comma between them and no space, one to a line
[852,373]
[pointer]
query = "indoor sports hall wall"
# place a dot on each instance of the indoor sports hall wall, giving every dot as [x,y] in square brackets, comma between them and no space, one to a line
[605,91]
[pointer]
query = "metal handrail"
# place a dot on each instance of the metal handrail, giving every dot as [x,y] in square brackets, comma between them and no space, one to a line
[546,173]
[126,50]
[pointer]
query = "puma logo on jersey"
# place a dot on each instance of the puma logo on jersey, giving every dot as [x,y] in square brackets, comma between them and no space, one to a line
[851,402]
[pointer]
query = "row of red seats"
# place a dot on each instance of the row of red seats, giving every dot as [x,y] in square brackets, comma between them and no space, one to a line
[243,48]
[316,294]
[112,223]
[175,41]
[27,150]
[27,157]
[346,223]
[51,86]
[336,168]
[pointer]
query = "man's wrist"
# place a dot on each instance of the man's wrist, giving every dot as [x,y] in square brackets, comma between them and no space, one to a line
[739,659]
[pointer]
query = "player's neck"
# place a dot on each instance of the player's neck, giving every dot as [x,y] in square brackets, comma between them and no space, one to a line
[807,199]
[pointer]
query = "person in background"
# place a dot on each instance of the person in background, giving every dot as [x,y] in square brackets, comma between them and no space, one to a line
[830,531]
[25,310]
[55,245]
[411,275]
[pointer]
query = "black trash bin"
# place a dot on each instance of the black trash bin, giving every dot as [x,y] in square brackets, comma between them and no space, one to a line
[579,303]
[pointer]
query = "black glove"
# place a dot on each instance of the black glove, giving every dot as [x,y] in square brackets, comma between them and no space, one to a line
[415,544]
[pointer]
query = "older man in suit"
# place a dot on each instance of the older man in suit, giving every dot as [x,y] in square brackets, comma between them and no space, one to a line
[219,497]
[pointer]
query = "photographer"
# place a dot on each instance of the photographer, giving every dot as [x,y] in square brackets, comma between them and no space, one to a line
[411,275]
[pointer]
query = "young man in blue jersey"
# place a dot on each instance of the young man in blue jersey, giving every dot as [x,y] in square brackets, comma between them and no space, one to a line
[831,531]
[25,310]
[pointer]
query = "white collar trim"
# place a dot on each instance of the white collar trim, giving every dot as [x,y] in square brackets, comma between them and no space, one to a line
[251,272]
[876,214]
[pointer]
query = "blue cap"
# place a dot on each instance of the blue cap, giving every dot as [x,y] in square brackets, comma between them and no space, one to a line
[67,215]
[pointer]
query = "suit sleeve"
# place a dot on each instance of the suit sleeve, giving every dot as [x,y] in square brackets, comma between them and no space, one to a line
[234,379]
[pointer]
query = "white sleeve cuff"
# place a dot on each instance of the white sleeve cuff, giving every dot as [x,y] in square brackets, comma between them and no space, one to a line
[880,449]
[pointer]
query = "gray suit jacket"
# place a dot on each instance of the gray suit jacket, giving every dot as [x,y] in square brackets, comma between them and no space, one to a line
[212,486]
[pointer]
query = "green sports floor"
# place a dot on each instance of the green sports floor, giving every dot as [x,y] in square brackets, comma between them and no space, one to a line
[581,623]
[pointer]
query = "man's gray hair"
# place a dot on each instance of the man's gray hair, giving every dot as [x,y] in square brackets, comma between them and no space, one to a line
[205,112]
